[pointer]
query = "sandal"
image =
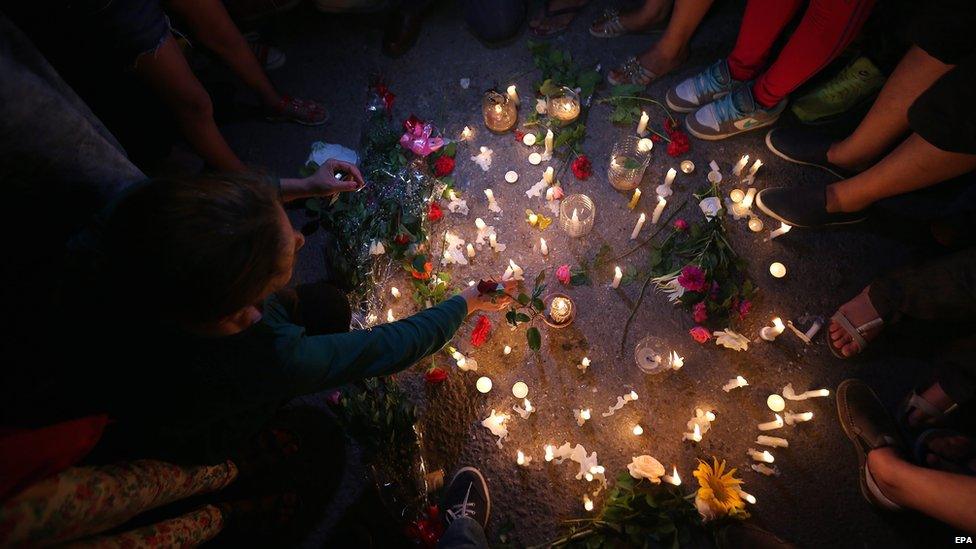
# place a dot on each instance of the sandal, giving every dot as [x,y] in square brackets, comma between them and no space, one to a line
[609,25]
[631,72]
[933,414]
[303,111]
[542,30]
[958,453]
[860,335]
[868,425]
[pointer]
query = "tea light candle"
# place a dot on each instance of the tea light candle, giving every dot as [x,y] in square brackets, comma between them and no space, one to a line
[483,384]
[763,456]
[507,350]
[587,503]
[737,195]
[396,292]
[470,250]
[535,159]
[773,442]
[656,215]
[748,198]
[783,229]
[777,269]
[617,276]
[560,309]
[770,425]
[640,222]
[642,124]
[673,478]
[521,459]
[638,430]
[389,315]
[737,170]
[770,333]
[793,419]
[528,139]
[549,141]
[548,176]
[739,381]
[543,247]
[755,224]
[645,145]
[466,134]
[634,199]
[687,166]
[513,95]
[520,389]
[714,177]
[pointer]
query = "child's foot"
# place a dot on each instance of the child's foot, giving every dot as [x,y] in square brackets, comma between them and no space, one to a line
[732,114]
[302,111]
[703,88]
[467,497]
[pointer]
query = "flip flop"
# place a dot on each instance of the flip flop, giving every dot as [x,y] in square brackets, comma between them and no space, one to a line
[922,451]
[857,333]
[613,28]
[549,14]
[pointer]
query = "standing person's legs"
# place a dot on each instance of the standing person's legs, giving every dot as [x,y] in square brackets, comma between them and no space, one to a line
[762,24]
[828,26]
[494,21]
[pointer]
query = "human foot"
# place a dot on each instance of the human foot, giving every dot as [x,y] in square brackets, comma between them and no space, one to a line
[645,68]
[556,16]
[927,409]
[854,324]
[947,450]
[613,24]
[302,111]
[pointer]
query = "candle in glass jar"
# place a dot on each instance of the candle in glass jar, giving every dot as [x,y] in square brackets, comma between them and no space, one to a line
[634,199]
[500,112]
[617,276]
[661,203]
[640,224]
[565,107]
[560,309]
[642,124]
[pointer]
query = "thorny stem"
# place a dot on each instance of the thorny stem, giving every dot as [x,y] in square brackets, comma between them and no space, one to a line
[633,311]
[638,98]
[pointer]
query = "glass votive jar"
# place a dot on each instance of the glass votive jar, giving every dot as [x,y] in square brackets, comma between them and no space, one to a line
[501,113]
[576,215]
[564,107]
[627,163]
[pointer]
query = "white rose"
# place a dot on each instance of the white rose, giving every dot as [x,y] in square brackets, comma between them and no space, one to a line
[710,206]
[541,106]
[646,467]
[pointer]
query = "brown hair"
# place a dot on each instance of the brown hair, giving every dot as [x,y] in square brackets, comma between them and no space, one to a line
[195,249]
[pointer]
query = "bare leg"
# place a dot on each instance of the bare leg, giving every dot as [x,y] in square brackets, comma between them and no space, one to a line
[649,14]
[914,165]
[672,49]
[887,120]
[167,72]
[948,497]
[213,27]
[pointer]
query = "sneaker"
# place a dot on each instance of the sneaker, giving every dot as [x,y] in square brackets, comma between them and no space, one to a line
[467,496]
[855,84]
[730,115]
[804,146]
[803,207]
[701,89]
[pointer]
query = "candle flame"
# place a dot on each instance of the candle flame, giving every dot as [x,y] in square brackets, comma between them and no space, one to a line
[633,395]
[549,452]
[675,479]
[395,291]
[778,323]
[587,503]
[710,416]
[638,430]
[389,315]
[520,458]
[528,405]
[585,413]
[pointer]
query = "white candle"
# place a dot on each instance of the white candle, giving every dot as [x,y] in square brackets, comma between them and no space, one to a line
[528,139]
[714,177]
[673,478]
[549,138]
[656,216]
[587,503]
[396,292]
[755,167]
[737,195]
[645,145]
[490,194]
[669,178]
[640,225]
[739,381]
[751,499]
[687,166]
[543,247]
[493,241]
[389,315]
[777,269]
[694,436]
[513,94]
[507,350]
[470,250]
[581,416]
[770,425]
[737,170]
[548,175]
[584,364]
[466,134]
[783,229]
[521,459]
[770,333]
[520,389]
[550,452]
[642,124]
[816,393]
[748,198]
[535,159]
[617,276]
[483,384]
[773,442]
[713,165]
[634,199]
[763,456]
[776,403]
[480,224]
[533,219]
[638,430]
[755,224]
[792,419]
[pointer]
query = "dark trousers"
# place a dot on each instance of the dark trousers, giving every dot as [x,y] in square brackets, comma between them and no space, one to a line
[944,292]
[319,306]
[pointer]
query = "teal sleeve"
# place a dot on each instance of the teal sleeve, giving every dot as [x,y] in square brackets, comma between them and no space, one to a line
[311,363]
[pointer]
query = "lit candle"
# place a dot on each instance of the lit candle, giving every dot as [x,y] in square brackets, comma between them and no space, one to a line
[524,412]
[642,124]
[764,469]
[770,425]
[550,452]
[645,145]
[776,403]
[493,241]
[694,436]
[687,166]
[513,94]
[634,199]
[490,194]
[581,416]
[587,503]
[748,497]
[389,315]
[737,170]
[584,364]
[777,269]
[520,389]
[560,309]
[480,224]
[507,350]
[617,276]
[783,229]
[522,459]
[790,394]
[656,215]
[638,430]
[470,250]
[396,292]
[737,195]
[640,224]
[669,178]
[466,134]
[793,419]
[677,361]
[755,224]
[535,159]
[770,333]
[483,384]
[748,198]
[574,222]
[755,167]
[533,219]
[673,478]
[773,442]
[763,456]
[548,175]
[549,139]
[543,247]
[739,381]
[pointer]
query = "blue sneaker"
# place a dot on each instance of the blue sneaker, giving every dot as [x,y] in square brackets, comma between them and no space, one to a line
[701,89]
[732,114]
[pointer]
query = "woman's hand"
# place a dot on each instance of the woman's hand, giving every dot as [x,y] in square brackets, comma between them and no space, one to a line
[335,176]
[489,302]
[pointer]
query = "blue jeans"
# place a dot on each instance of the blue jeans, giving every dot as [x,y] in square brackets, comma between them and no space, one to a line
[464,533]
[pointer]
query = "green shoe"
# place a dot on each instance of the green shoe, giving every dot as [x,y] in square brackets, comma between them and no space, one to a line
[858,82]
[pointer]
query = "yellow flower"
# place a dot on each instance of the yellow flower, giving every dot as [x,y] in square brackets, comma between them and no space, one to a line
[718,492]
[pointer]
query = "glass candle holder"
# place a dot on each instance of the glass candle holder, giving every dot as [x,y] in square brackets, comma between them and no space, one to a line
[564,107]
[627,163]
[559,311]
[501,113]
[576,215]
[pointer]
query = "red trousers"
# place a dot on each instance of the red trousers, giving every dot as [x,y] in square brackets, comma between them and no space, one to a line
[828,26]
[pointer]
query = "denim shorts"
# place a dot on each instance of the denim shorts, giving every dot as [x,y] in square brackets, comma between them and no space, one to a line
[131,27]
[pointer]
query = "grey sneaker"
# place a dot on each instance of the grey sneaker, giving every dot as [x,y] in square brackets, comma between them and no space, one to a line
[730,115]
[701,89]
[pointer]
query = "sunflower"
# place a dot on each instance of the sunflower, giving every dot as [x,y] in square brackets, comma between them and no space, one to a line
[718,492]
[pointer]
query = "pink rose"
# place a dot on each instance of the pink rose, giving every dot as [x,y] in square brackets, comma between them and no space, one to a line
[562,274]
[699,312]
[680,225]
[700,334]
[692,278]
[557,193]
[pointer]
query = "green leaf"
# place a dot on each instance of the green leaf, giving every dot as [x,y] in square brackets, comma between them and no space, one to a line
[540,278]
[523,299]
[522,317]
[587,82]
[534,338]
[549,88]
[538,305]
[450,149]
[511,317]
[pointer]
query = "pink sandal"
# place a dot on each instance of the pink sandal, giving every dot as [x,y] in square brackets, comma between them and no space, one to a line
[302,111]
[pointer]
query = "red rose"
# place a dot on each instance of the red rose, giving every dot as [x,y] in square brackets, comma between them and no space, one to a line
[582,167]
[679,144]
[699,312]
[435,213]
[435,375]
[481,331]
[655,138]
[700,334]
[487,287]
[443,165]
[519,135]
[402,239]
[680,225]
[428,268]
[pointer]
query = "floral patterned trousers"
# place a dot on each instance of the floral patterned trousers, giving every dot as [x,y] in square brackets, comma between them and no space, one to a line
[81,502]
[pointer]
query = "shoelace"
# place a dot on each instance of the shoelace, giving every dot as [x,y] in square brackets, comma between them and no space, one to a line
[847,83]
[725,109]
[463,509]
[706,83]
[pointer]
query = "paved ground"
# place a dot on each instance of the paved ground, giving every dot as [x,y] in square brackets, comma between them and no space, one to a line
[816,501]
